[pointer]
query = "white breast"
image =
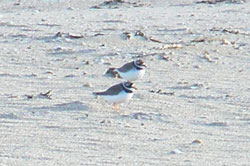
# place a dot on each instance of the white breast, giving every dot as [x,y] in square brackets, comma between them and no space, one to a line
[120,98]
[133,74]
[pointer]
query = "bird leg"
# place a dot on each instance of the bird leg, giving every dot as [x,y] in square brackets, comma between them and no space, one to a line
[116,106]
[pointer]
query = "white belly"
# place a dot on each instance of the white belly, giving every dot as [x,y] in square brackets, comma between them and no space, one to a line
[132,75]
[120,98]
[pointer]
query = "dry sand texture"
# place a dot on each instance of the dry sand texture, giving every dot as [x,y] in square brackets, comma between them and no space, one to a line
[191,108]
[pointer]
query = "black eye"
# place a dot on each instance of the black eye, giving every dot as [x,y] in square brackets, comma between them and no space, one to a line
[129,85]
[139,62]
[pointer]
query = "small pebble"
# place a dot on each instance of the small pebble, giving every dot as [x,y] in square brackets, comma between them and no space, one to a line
[176,151]
[69,76]
[88,84]
[58,49]
[70,8]
[226,42]
[166,58]
[48,72]
[105,121]
[127,125]
[197,141]
[29,96]
[197,66]
[208,58]
[126,35]
[196,86]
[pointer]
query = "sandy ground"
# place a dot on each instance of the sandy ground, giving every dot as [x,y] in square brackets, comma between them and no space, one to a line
[191,108]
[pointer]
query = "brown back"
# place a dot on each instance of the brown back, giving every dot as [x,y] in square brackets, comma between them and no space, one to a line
[113,90]
[126,67]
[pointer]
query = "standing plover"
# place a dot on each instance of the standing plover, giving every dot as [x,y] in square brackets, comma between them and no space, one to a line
[118,93]
[132,71]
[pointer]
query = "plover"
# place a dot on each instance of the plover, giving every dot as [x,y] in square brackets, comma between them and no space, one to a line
[118,93]
[132,71]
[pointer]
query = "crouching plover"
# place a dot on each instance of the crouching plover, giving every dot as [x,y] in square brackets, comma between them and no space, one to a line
[118,93]
[132,71]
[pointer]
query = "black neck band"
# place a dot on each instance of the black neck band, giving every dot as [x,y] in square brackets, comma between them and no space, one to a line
[126,90]
[138,68]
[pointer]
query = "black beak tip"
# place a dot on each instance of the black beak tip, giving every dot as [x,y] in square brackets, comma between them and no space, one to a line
[134,87]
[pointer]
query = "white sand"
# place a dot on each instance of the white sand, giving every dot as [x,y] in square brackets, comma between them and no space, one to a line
[204,83]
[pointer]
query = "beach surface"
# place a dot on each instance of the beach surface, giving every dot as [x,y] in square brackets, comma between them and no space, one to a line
[192,106]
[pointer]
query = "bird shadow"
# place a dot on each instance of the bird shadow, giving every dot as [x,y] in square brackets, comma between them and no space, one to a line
[71,106]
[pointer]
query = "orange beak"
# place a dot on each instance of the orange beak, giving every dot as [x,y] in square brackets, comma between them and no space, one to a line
[133,87]
[144,65]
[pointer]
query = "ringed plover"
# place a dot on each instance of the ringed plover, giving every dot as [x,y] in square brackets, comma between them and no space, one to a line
[132,71]
[118,93]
